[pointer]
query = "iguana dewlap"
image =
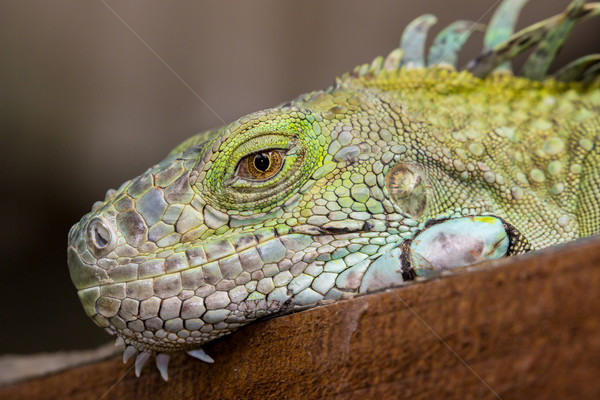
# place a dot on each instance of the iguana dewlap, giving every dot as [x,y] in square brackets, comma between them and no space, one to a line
[401,168]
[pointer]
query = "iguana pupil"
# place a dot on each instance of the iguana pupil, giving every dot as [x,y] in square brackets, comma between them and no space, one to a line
[262,162]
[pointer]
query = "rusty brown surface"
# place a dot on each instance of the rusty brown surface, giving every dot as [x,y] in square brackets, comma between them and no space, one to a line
[526,328]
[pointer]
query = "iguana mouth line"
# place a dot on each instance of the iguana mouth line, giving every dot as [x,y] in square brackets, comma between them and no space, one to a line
[314,230]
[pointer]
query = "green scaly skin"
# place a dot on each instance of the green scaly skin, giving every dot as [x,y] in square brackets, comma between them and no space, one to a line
[191,250]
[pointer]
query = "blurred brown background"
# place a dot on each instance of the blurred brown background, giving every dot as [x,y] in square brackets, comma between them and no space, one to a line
[84,105]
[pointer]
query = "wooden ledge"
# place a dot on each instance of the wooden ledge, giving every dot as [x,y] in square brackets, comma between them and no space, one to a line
[528,327]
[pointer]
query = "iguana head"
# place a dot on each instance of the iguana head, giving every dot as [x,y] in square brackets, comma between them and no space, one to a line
[283,208]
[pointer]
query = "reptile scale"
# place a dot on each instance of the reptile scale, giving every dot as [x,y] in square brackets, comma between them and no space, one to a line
[404,167]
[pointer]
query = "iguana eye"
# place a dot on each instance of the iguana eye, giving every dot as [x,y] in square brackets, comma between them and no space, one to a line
[261,166]
[262,162]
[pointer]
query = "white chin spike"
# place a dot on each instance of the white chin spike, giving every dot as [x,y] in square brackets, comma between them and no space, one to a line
[119,341]
[141,359]
[201,355]
[162,363]
[129,352]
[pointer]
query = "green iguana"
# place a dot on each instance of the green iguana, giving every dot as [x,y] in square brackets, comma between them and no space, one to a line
[401,168]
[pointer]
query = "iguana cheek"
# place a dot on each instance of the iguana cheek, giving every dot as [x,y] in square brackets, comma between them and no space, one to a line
[458,242]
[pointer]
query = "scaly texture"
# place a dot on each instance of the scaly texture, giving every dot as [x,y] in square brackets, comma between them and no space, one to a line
[395,171]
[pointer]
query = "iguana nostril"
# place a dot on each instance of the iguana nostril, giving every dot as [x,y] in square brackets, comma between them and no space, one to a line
[99,237]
